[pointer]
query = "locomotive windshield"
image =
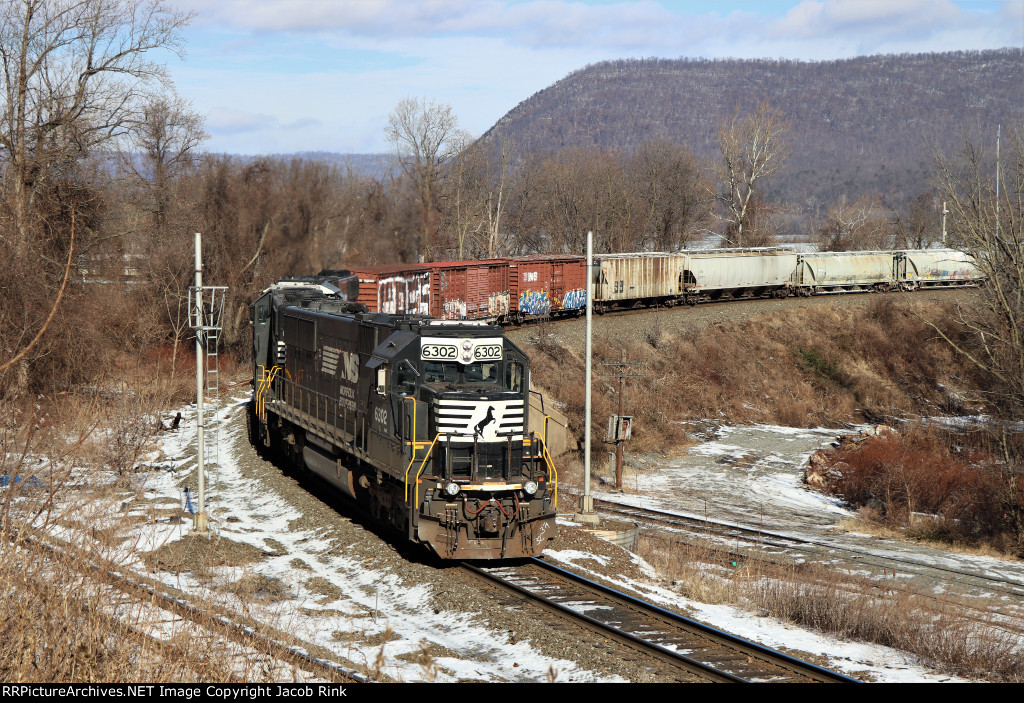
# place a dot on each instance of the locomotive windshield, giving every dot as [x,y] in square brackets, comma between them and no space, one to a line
[454,372]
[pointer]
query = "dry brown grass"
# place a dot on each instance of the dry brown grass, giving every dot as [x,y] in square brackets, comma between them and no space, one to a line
[802,367]
[61,623]
[946,634]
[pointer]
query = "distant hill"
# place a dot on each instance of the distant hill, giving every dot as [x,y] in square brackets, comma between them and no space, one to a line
[364,165]
[859,126]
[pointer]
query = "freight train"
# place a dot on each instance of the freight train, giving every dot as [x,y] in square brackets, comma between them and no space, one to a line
[518,289]
[422,421]
[397,385]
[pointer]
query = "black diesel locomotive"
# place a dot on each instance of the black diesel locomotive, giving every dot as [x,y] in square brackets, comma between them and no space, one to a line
[421,421]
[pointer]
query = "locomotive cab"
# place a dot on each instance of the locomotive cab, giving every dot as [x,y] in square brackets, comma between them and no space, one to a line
[459,391]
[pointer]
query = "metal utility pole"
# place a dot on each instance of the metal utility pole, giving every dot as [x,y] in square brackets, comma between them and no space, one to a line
[586,512]
[945,212]
[206,324]
[622,375]
[201,522]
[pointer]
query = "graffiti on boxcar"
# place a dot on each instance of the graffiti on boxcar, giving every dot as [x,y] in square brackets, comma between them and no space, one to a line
[454,310]
[498,303]
[574,299]
[404,295]
[534,302]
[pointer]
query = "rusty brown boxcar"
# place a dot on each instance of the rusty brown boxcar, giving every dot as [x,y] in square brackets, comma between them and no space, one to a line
[469,290]
[396,289]
[547,285]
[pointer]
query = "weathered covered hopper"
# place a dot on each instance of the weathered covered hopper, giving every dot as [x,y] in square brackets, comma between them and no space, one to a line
[847,270]
[713,273]
[937,267]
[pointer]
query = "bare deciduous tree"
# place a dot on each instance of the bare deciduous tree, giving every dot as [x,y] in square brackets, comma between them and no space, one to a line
[669,181]
[496,199]
[922,225]
[991,229]
[160,144]
[753,148]
[425,135]
[74,72]
[466,173]
[865,224]
[986,204]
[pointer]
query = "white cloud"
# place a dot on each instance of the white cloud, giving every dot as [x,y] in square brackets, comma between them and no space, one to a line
[628,28]
[309,74]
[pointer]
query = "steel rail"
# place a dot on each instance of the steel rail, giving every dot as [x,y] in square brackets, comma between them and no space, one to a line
[753,649]
[747,651]
[1014,588]
[688,664]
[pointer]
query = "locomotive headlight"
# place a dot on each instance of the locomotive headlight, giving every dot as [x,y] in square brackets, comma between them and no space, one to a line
[452,489]
[530,487]
[467,345]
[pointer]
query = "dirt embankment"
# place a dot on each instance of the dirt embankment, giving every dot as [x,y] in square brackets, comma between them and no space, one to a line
[799,362]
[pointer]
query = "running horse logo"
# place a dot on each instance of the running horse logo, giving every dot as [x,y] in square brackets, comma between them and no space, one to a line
[488,419]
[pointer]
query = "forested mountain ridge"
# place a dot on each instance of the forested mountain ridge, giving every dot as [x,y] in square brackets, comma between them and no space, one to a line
[860,126]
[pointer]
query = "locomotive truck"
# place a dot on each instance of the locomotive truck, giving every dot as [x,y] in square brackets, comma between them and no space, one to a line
[422,421]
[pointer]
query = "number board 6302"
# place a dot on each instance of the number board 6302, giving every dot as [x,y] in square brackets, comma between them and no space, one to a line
[439,351]
[487,352]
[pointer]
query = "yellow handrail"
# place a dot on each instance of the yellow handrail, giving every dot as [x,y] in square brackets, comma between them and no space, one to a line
[268,378]
[259,388]
[553,472]
[420,471]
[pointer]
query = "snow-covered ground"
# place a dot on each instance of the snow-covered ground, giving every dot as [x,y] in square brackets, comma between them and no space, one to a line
[753,476]
[352,595]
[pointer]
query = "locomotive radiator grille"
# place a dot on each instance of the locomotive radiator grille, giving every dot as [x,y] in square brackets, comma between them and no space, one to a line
[482,420]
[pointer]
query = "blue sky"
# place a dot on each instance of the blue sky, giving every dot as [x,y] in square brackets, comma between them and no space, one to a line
[275,76]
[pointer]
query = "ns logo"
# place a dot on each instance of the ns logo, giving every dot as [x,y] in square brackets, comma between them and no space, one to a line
[350,367]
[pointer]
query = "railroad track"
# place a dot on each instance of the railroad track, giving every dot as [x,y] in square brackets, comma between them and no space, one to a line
[743,543]
[673,647]
[150,614]
[747,540]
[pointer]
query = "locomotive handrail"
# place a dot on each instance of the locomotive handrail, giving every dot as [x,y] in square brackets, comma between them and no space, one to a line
[414,443]
[423,464]
[259,388]
[552,471]
[266,378]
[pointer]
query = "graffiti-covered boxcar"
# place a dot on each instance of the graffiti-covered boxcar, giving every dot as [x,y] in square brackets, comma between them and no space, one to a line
[469,290]
[547,285]
[400,289]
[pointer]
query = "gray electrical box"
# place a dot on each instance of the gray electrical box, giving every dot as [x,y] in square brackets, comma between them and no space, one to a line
[620,428]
